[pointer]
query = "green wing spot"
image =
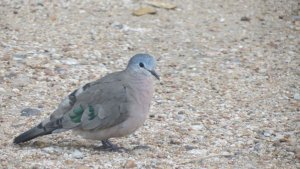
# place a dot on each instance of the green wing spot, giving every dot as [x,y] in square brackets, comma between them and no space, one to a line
[92,113]
[76,115]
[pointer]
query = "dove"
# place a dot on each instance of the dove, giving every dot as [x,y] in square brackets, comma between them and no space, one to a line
[116,105]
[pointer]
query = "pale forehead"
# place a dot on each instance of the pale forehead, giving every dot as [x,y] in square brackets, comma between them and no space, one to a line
[145,58]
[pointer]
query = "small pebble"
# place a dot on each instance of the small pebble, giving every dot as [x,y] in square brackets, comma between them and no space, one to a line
[77,154]
[180,117]
[176,142]
[297,96]
[298,153]
[188,147]
[19,57]
[49,72]
[160,4]
[143,11]
[70,61]
[296,18]
[11,75]
[48,149]
[199,152]
[181,112]
[130,164]
[197,126]
[117,25]
[141,147]
[151,115]
[257,147]
[82,167]
[245,19]
[30,112]
[40,106]
[2,90]
[60,69]
[68,162]
[39,144]
[266,133]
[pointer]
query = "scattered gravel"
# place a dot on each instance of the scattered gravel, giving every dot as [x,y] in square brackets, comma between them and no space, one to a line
[228,95]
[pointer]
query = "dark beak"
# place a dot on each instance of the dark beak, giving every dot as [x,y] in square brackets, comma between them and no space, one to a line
[154,74]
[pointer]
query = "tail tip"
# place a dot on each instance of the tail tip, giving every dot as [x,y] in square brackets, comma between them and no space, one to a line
[17,140]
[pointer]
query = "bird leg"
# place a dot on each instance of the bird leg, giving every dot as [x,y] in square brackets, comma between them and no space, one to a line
[106,144]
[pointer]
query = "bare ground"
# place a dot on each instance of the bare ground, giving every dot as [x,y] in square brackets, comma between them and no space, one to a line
[229,95]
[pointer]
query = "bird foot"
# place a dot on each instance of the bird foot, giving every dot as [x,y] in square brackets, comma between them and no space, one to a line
[108,146]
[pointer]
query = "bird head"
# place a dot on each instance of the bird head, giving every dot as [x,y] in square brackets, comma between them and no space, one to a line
[144,63]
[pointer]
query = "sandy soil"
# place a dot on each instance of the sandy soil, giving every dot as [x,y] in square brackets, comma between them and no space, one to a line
[229,96]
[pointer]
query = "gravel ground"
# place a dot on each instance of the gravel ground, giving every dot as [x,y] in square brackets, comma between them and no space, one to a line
[229,96]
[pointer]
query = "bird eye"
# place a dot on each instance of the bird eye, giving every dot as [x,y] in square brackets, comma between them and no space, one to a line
[141,65]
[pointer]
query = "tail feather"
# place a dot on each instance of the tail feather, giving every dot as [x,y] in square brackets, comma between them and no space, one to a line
[32,133]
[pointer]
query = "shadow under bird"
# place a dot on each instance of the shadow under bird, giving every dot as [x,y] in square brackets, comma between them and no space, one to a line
[113,106]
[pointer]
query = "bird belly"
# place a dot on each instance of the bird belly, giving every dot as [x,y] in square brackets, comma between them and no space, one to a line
[125,128]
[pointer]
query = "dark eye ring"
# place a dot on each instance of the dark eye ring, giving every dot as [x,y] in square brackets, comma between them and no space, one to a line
[141,65]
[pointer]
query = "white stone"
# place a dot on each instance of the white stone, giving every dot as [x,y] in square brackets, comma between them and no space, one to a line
[198,152]
[70,61]
[77,154]
[197,127]
[297,96]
